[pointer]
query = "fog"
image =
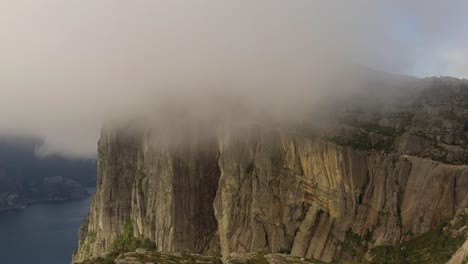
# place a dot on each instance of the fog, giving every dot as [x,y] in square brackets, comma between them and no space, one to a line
[67,67]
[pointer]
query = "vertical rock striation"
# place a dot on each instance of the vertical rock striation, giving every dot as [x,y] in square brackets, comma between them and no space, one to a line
[286,193]
[262,190]
[165,188]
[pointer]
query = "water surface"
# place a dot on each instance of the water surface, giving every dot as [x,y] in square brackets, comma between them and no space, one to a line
[44,233]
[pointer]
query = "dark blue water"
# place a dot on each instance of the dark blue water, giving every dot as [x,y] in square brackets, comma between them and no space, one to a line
[45,233]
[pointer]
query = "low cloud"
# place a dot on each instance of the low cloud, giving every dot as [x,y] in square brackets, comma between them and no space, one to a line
[69,66]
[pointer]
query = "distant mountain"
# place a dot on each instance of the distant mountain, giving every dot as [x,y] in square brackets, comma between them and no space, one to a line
[26,177]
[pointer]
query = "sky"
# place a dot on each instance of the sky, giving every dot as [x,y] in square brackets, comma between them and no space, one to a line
[68,66]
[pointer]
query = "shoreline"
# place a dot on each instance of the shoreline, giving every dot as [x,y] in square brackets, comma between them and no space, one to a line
[32,202]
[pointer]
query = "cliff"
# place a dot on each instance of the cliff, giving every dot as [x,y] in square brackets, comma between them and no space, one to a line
[354,191]
[264,191]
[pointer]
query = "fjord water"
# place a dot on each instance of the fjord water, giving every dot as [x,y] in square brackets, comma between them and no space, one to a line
[43,233]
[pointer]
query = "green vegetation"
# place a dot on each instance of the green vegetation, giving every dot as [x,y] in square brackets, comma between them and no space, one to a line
[464,160]
[155,257]
[438,154]
[261,258]
[250,168]
[353,248]
[374,127]
[362,141]
[350,235]
[109,259]
[175,258]
[126,242]
[140,185]
[257,258]
[91,236]
[436,246]
[368,235]
[399,220]
[358,141]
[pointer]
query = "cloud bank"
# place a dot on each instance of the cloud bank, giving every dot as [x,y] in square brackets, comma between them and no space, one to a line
[68,66]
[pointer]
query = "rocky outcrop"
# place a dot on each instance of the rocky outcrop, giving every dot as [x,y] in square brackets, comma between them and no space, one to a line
[461,256]
[142,256]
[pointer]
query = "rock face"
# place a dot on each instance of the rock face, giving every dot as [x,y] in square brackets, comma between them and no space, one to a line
[380,179]
[264,191]
[166,190]
[303,195]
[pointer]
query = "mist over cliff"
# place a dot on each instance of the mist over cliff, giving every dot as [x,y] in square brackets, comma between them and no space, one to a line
[242,131]
[72,66]
[367,184]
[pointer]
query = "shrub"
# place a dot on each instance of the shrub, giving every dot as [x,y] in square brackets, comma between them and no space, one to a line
[250,168]
[126,242]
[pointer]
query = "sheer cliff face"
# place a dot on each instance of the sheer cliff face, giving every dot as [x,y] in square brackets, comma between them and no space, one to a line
[280,192]
[166,190]
[377,175]
[267,190]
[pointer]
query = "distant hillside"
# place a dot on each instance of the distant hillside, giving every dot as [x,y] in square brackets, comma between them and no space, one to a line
[25,177]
